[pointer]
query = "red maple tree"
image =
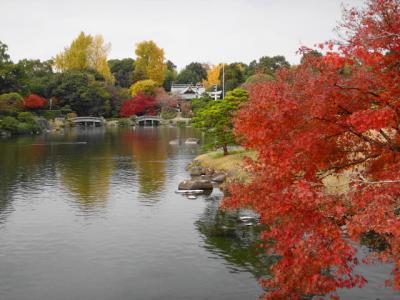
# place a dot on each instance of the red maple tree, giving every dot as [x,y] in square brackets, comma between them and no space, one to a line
[34,101]
[332,115]
[141,104]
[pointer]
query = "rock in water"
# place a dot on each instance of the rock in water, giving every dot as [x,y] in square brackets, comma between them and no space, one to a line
[192,141]
[198,184]
[197,171]
[219,177]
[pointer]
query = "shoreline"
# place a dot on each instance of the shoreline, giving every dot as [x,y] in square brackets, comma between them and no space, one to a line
[231,165]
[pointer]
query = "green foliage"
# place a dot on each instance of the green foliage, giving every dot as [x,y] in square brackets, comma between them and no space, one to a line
[52,114]
[26,117]
[11,104]
[181,124]
[199,103]
[4,57]
[170,75]
[192,73]
[267,65]
[81,92]
[27,128]
[257,78]
[122,70]
[312,53]
[124,122]
[234,75]
[215,119]
[35,75]
[168,115]
[9,124]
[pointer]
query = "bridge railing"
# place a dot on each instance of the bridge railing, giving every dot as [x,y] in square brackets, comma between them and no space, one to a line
[141,118]
[83,119]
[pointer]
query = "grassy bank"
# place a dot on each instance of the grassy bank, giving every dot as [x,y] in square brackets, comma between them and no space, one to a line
[232,164]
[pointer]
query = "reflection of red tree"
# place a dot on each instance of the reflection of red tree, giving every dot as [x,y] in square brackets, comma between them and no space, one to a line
[328,115]
[141,104]
[34,101]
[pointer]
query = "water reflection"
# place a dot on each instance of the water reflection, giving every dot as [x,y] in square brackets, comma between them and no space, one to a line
[21,163]
[226,236]
[87,162]
[148,148]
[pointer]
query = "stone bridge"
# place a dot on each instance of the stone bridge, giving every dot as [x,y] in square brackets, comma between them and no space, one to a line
[87,121]
[148,121]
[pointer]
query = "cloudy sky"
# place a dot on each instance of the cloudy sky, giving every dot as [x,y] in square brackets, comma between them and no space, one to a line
[209,31]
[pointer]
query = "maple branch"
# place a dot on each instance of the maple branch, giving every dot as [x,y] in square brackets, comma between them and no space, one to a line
[357,89]
[334,169]
[394,147]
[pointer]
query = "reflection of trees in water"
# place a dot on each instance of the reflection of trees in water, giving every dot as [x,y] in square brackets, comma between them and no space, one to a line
[226,236]
[86,170]
[148,148]
[22,161]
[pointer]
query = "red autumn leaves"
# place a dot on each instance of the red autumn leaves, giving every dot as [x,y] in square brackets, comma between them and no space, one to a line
[141,104]
[331,114]
[34,102]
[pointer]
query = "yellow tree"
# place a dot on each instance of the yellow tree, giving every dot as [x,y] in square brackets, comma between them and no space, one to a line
[85,52]
[213,76]
[150,62]
[145,86]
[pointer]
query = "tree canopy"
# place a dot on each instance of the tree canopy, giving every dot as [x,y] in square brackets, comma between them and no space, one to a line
[215,118]
[193,73]
[85,52]
[150,62]
[328,165]
[122,70]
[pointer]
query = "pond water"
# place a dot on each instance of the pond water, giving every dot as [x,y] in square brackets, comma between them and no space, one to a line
[93,214]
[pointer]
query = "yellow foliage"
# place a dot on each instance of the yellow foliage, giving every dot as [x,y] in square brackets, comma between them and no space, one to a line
[146,86]
[150,61]
[85,52]
[213,76]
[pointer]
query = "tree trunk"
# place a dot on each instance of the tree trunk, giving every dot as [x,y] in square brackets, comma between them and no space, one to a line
[225,148]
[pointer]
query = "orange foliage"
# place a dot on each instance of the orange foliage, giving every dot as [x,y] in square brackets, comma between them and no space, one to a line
[329,114]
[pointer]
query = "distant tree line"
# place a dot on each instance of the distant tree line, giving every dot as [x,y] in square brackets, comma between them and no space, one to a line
[81,79]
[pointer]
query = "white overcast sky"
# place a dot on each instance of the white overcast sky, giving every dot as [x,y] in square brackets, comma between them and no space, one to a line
[209,31]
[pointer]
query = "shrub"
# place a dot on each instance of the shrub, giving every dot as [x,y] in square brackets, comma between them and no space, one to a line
[27,128]
[34,102]
[26,117]
[181,124]
[124,123]
[168,115]
[66,110]
[52,114]
[10,104]
[9,124]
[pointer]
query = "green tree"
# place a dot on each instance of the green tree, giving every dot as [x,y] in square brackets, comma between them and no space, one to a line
[234,75]
[11,103]
[4,57]
[215,119]
[35,75]
[267,65]
[81,92]
[10,74]
[193,73]
[170,75]
[150,62]
[122,70]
